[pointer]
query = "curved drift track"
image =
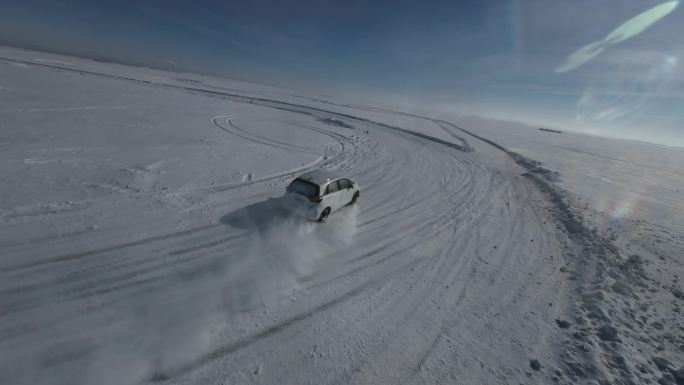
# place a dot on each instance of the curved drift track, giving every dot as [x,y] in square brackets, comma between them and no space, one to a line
[445,272]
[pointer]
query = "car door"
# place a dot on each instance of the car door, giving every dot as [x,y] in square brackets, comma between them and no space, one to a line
[345,191]
[332,196]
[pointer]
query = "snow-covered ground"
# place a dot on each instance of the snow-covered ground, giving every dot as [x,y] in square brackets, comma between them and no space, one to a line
[142,240]
[632,195]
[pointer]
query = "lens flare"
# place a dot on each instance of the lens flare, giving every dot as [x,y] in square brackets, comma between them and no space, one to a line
[636,85]
[640,23]
[616,209]
[582,56]
[626,30]
[623,209]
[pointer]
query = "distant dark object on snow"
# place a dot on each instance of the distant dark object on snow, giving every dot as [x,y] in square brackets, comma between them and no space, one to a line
[607,333]
[535,365]
[550,130]
[336,123]
[661,363]
[679,375]
[563,324]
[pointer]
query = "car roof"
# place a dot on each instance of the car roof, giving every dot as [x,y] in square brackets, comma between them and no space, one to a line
[319,176]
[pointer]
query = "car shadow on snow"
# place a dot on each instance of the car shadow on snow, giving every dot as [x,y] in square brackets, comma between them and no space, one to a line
[260,215]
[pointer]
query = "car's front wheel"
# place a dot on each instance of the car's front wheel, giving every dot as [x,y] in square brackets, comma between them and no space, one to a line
[355,198]
[324,215]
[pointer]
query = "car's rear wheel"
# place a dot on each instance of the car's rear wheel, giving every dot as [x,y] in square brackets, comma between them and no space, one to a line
[324,215]
[355,198]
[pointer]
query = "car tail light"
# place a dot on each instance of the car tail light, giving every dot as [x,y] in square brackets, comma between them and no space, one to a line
[315,199]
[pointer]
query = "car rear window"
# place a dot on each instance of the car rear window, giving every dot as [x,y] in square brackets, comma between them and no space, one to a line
[332,187]
[302,187]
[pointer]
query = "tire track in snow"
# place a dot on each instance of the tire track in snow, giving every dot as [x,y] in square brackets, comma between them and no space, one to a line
[235,130]
[88,253]
[322,161]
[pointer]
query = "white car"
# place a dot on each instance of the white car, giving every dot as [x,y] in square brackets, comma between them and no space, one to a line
[318,193]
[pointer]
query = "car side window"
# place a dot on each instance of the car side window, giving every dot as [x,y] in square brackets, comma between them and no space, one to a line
[332,188]
[343,184]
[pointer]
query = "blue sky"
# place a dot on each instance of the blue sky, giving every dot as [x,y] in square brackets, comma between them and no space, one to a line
[494,58]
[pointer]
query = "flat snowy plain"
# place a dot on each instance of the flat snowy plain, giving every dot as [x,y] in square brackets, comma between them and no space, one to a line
[142,240]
